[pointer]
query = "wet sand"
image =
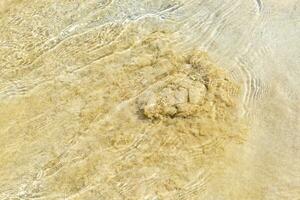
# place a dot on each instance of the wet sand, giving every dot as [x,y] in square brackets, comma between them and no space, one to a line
[149,100]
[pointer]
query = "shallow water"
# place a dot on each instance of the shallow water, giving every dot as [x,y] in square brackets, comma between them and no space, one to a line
[70,72]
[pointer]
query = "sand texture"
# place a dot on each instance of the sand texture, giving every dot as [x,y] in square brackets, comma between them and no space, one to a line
[154,100]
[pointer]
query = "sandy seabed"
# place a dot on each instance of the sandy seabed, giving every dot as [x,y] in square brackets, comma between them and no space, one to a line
[122,100]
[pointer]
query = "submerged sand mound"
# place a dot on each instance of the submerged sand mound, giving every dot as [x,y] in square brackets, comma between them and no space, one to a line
[199,86]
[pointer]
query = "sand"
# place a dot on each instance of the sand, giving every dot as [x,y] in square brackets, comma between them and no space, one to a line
[147,100]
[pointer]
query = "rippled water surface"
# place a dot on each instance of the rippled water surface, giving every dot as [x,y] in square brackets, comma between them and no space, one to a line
[73,73]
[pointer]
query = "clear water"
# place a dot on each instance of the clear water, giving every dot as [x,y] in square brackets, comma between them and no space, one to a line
[257,41]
